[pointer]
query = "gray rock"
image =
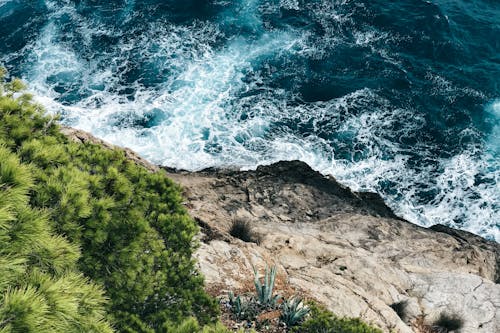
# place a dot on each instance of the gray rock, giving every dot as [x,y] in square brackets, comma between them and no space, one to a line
[344,249]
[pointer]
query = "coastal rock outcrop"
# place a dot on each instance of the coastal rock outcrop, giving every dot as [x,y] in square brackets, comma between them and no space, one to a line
[345,249]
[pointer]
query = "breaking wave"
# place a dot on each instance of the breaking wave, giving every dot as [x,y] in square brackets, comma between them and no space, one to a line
[398,98]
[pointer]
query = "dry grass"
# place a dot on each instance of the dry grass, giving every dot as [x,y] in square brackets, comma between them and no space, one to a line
[242,229]
[445,324]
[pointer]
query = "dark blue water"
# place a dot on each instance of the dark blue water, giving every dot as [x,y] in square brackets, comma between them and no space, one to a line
[398,97]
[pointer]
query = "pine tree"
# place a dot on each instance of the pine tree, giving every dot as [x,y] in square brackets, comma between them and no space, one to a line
[134,235]
[41,289]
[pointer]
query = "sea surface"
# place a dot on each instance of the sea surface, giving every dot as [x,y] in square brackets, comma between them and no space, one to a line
[398,97]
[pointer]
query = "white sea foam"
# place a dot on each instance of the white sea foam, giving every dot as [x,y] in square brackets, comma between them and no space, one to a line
[494,139]
[202,116]
[192,103]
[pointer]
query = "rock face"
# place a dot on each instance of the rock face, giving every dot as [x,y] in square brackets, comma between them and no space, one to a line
[347,250]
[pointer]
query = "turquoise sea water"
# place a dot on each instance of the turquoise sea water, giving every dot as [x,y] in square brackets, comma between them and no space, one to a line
[398,97]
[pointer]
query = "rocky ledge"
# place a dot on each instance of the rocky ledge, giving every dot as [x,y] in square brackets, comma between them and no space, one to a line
[347,250]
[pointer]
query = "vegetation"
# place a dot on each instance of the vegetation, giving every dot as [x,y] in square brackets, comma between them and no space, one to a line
[293,311]
[249,307]
[258,310]
[243,309]
[400,309]
[265,306]
[323,321]
[243,230]
[265,288]
[448,323]
[191,325]
[41,289]
[68,209]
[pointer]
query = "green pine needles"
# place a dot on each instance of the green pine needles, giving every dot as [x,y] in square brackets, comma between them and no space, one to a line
[41,288]
[89,241]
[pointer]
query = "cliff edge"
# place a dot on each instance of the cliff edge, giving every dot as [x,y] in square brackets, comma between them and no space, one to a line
[345,249]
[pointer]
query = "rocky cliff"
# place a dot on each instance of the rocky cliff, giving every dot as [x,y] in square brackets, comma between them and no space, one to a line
[344,249]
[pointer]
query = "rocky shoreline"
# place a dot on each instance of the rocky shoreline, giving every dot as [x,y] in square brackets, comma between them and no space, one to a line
[345,249]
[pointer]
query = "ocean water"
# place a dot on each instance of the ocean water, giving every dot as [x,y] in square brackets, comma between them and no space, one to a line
[398,97]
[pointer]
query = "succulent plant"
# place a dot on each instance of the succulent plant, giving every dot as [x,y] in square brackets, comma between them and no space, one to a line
[265,289]
[242,308]
[293,311]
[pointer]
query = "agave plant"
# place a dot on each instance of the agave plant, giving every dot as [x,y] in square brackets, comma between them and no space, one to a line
[265,289]
[293,311]
[236,303]
[241,308]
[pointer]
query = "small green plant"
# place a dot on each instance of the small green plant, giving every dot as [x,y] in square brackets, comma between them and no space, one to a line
[265,289]
[293,311]
[448,323]
[242,229]
[243,309]
[323,321]
[236,304]
[191,325]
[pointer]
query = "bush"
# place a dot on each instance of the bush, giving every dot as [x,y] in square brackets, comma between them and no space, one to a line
[136,238]
[242,229]
[400,309]
[323,321]
[41,289]
[448,323]
[191,325]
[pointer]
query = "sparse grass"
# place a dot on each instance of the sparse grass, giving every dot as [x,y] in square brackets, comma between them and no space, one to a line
[242,229]
[448,323]
[400,309]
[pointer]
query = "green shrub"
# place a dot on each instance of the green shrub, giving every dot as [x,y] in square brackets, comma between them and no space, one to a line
[191,325]
[323,321]
[41,289]
[135,237]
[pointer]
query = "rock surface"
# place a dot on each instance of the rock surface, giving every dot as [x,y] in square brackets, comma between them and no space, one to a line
[344,249]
